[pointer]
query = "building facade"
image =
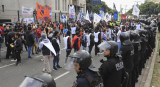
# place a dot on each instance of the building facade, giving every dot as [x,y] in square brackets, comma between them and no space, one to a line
[9,9]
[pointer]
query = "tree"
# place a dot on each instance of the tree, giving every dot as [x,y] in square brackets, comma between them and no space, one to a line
[147,8]
[96,8]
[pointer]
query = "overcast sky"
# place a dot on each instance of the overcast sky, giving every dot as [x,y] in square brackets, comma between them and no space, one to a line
[124,3]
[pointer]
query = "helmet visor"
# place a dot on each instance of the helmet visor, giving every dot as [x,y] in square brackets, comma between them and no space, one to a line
[30,82]
[104,46]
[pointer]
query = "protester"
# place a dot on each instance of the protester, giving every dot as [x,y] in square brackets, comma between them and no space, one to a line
[18,48]
[67,42]
[29,41]
[56,45]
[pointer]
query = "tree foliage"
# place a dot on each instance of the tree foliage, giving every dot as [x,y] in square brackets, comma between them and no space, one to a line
[147,8]
[97,7]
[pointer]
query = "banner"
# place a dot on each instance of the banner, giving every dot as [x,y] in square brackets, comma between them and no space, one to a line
[96,2]
[44,13]
[119,16]
[27,20]
[115,15]
[71,12]
[124,17]
[27,11]
[97,18]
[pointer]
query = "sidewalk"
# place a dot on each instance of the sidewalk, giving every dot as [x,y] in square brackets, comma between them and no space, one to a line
[156,73]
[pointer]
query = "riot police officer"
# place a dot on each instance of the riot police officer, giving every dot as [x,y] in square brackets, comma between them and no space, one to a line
[112,69]
[39,80]
[127,52]
[135,38]
[86,76]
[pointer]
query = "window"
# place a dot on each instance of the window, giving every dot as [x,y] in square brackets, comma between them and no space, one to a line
[55,4]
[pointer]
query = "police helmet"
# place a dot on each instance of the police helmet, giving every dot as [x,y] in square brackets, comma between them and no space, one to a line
[125,39]
[39,80]
[134,37]
[109,45]
[83,58]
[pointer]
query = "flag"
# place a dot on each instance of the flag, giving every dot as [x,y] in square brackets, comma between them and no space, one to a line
[114,7]
[102,12]
[135,11]
[119,16]
[97,18]
[87,17]
[115,15]
[107,17]
[72,12]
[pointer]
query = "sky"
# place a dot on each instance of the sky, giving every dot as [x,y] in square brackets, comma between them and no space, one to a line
[124,4]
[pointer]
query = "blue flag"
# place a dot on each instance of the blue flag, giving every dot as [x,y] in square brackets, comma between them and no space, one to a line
[115,15]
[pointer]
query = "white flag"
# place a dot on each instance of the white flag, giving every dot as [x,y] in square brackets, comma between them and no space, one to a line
[97,18]
[107,17]
[87,17]
[135,11]
[50,47]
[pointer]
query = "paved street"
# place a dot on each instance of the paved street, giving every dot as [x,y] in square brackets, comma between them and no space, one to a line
[12,76]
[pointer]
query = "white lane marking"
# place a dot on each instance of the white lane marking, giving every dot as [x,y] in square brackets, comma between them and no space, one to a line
[38,56]
[7,65]
[62,75]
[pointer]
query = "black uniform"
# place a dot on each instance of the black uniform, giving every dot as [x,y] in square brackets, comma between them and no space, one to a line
[127,52]
[111,72]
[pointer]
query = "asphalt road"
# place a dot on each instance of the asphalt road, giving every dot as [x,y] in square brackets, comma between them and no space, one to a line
[12,76]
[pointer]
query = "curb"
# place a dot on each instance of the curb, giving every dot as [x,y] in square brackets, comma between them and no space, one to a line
[150,73]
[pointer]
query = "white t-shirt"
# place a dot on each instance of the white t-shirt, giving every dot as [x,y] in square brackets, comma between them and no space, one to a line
[73,29]
[96,36]
[65,41]
[138,26]
[118,36]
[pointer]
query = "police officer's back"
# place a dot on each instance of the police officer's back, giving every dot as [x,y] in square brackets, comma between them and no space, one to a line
[111,70]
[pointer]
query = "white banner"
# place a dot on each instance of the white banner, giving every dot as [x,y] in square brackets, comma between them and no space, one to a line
[27,20]
[27,11]
[97,19]
[71,11]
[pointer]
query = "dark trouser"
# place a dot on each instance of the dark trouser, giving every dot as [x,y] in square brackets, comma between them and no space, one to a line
[73,35]
[25,45]
[96,48]
[8,52]
[18,56]
[90,48]
[68,51]
[56,61]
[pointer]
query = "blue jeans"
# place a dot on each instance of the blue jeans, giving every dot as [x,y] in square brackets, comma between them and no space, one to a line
[119,46]
[56,61]
[29,51]
[84,48]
